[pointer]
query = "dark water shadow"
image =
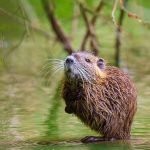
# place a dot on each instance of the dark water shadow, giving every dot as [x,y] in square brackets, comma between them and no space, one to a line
[76,145]
[52,122]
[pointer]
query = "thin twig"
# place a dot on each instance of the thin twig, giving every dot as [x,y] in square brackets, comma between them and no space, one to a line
[22,22]
[12,49]
[87,23]
[90,28]
[75,20]
[118,37]
[98,9]
[113,13]
[56,27]
[130,14]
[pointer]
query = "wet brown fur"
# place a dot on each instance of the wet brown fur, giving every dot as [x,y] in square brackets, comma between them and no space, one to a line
[107,105]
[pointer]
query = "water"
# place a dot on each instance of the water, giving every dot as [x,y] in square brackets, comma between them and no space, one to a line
[32,117]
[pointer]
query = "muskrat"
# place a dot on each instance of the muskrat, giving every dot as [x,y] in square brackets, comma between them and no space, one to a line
[102,97]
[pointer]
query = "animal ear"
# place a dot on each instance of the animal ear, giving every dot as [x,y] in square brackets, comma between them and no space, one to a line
[101,63]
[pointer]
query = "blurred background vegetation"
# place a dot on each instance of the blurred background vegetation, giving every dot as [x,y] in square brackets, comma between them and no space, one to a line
[31,106]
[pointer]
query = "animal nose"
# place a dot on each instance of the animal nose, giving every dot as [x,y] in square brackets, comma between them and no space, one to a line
[69,61]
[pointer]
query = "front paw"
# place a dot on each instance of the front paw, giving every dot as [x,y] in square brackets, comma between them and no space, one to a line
[92,139]
[68,110]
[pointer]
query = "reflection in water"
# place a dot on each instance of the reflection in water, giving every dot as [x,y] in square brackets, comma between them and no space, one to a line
[14,124]
[119,145]
[35,120]
[99,146]
[53,130]
[26,116]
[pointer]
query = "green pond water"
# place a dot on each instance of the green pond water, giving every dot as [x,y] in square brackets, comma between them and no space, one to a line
[32,113]
[32,117]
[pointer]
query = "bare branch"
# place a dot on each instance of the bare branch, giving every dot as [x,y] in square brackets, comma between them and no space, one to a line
[15,46]
[130,14]
[90,29]
[75,20]
[134,16]
[23,22]
[118,36]
[113,13]
[98,9]
[94,45]
[56,27]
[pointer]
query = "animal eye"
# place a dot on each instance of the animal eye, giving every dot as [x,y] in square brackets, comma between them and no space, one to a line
[87,60]
[101,60]
[100,63]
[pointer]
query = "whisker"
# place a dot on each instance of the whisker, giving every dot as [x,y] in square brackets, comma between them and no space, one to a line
[58,69]
[51,66]
[49,59]
[53,70]
[81,75]
[92,77]
[86,74]
[53,63]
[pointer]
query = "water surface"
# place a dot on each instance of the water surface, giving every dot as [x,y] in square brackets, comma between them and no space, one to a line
[32,117]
